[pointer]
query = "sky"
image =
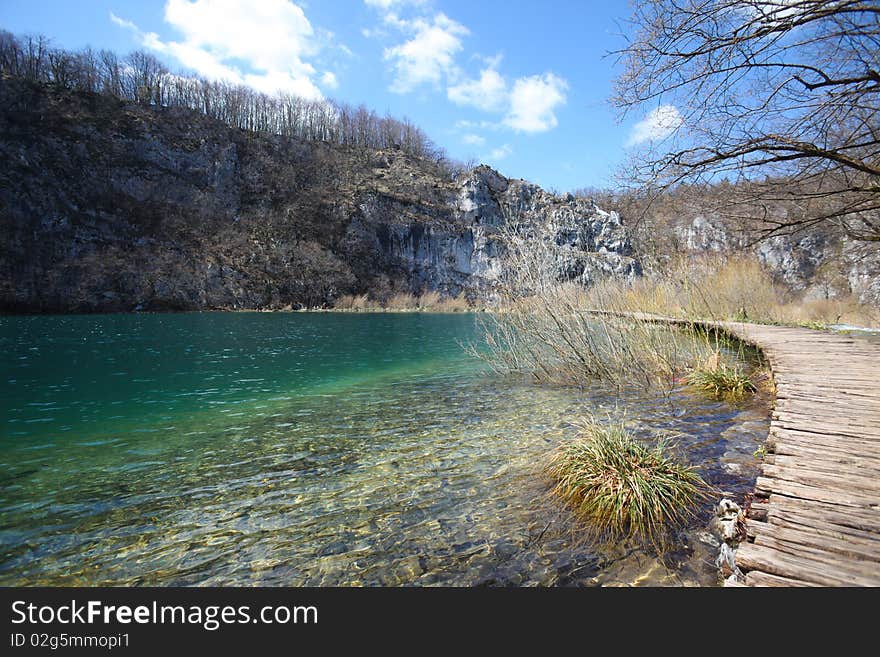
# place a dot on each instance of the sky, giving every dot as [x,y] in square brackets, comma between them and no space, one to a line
[520,85]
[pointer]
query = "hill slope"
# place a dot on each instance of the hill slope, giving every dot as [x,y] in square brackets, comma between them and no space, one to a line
[109,205]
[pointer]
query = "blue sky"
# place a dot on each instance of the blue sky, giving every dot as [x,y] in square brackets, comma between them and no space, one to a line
[522,86]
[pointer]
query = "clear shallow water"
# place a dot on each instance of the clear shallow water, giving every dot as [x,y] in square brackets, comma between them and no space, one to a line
[310,449]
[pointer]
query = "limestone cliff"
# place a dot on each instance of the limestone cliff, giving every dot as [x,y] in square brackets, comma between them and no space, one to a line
[816,263]
[107,205]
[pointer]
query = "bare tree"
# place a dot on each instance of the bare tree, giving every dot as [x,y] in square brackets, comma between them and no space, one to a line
[141,77]
[781,97]
[145,74]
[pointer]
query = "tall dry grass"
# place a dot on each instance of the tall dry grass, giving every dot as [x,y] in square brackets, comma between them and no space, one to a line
[353,302]
[560,332]
[405,301]
[431,301]
[556,338]
[726,288]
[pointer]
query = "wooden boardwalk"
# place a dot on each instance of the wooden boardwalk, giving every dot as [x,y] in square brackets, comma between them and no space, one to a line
[815,520]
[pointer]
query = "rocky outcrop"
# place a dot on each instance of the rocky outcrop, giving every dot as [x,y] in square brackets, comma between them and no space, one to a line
[107,205]
[463,252]
[815,263]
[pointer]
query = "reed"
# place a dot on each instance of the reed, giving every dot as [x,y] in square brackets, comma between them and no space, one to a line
[353,302]
[556,337]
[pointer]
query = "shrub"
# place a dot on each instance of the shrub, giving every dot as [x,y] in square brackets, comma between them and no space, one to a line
[622,488]
[429,301]
[556,337]
[401,301]
[725,287]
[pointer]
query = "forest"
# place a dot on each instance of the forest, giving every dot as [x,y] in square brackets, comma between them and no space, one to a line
[142,78]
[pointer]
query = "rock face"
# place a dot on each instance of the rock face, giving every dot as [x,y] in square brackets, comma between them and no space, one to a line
[110,206]
[816,263]
[464,254]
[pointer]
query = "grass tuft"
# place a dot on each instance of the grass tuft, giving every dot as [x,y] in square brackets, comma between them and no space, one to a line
[622,488]
[720,380]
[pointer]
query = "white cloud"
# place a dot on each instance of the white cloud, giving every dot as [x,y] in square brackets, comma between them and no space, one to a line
[465,124]
[272,38]
[488,92]
[329,80]
[475,140]
[493,61]
[660,122]
[429,56]
[388,4]
[500,153]
[533,101]
[771,11]
[121,22]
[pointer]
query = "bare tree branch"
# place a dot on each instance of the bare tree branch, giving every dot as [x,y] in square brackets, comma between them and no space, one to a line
[780,90]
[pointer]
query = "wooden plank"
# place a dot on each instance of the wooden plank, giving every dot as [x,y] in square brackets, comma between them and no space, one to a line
[866,573]
[757,578]
[824,384]
[824,525]
[845,404]
[827,463]
[817,431]
[750,556]
[807,449]
[755,527]
[807,537]
[823,421]
[841,480]
[808,492]
[824,426]
[758,511]
[865,519]
[830,444]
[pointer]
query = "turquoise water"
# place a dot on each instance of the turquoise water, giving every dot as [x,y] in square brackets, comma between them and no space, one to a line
[309,449]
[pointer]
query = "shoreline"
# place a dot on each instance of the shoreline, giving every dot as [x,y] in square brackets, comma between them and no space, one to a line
[364,311]
[839,329]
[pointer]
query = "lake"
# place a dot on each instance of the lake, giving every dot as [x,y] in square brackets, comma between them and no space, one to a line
[313,449]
